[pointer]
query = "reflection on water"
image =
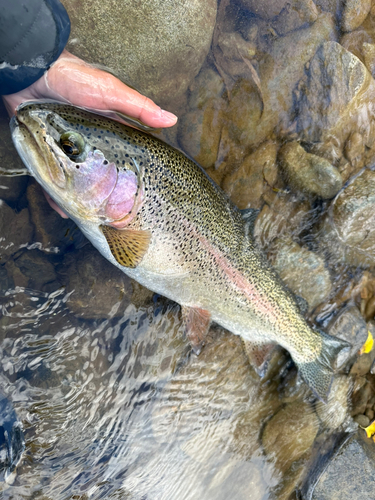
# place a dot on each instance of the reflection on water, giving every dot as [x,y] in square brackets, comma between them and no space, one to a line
[117,408]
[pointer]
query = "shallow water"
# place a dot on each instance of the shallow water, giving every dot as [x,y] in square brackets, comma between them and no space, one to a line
[118,406]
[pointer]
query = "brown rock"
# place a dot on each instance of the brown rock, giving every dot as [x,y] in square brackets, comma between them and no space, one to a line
[290,434]
[349,325]
[294,15]
[355,40]
[308,173]
[281,214]
[354,147]
[266,9]
[362,365]
[245,186]
[38,270]
[333,413]
[354,13]
[12,188]
[362,420]
[199,133]
[361,398]
[332,6]
[368,54]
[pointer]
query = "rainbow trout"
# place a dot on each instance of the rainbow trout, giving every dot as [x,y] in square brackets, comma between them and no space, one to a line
[156,215]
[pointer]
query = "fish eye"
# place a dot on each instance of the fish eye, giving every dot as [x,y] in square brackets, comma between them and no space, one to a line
[72,143]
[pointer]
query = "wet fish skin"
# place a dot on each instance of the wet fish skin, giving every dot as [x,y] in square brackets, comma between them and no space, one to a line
[198,250]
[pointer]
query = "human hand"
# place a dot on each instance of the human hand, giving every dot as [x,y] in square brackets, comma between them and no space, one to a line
[74,81]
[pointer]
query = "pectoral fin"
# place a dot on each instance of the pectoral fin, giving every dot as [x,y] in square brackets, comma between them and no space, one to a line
[259,355]
[197,323]
[128,246]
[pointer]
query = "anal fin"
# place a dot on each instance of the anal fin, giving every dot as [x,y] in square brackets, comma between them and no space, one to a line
[259,355]
[197,323]
[128,246]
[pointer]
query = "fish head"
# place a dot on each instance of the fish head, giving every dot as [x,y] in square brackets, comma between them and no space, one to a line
[90,166]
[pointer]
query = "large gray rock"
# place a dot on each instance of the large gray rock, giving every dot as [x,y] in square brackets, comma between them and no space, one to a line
[350,474]
[158,47]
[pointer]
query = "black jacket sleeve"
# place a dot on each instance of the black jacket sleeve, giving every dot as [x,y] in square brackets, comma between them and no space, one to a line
[33,33]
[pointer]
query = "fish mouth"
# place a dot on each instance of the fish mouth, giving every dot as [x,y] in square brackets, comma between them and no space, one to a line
[21,135]
[36,152]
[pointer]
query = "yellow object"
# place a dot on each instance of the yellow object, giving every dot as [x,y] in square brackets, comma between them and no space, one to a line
[368,345]
[370,431]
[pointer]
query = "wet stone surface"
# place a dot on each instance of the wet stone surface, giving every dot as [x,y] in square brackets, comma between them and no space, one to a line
[350,474]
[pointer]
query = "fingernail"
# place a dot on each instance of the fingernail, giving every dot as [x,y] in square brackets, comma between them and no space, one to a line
[170,117]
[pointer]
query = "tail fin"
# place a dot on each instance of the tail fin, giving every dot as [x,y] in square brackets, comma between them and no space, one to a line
[318,373]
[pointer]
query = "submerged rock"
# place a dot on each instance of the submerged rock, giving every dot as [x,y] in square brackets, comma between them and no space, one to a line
[246,185]
[52,232]
[158,47]
[294,15]
[333,413]
[349,325]
[199,130]
[37,270]
[335,98]
[282,213]
[354,13]
[266,9]
[303,271]
[309,173]
[253,117]
[347,232]
[290,434]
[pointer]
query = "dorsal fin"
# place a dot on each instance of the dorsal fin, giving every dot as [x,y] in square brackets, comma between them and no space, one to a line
[128,246]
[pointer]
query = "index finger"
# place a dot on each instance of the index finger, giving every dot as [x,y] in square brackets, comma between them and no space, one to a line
[83,85]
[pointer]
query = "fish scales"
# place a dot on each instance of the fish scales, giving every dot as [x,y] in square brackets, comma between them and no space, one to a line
[182,238]
[210,235]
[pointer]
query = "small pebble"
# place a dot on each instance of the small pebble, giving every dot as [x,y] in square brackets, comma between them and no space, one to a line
[362,420]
